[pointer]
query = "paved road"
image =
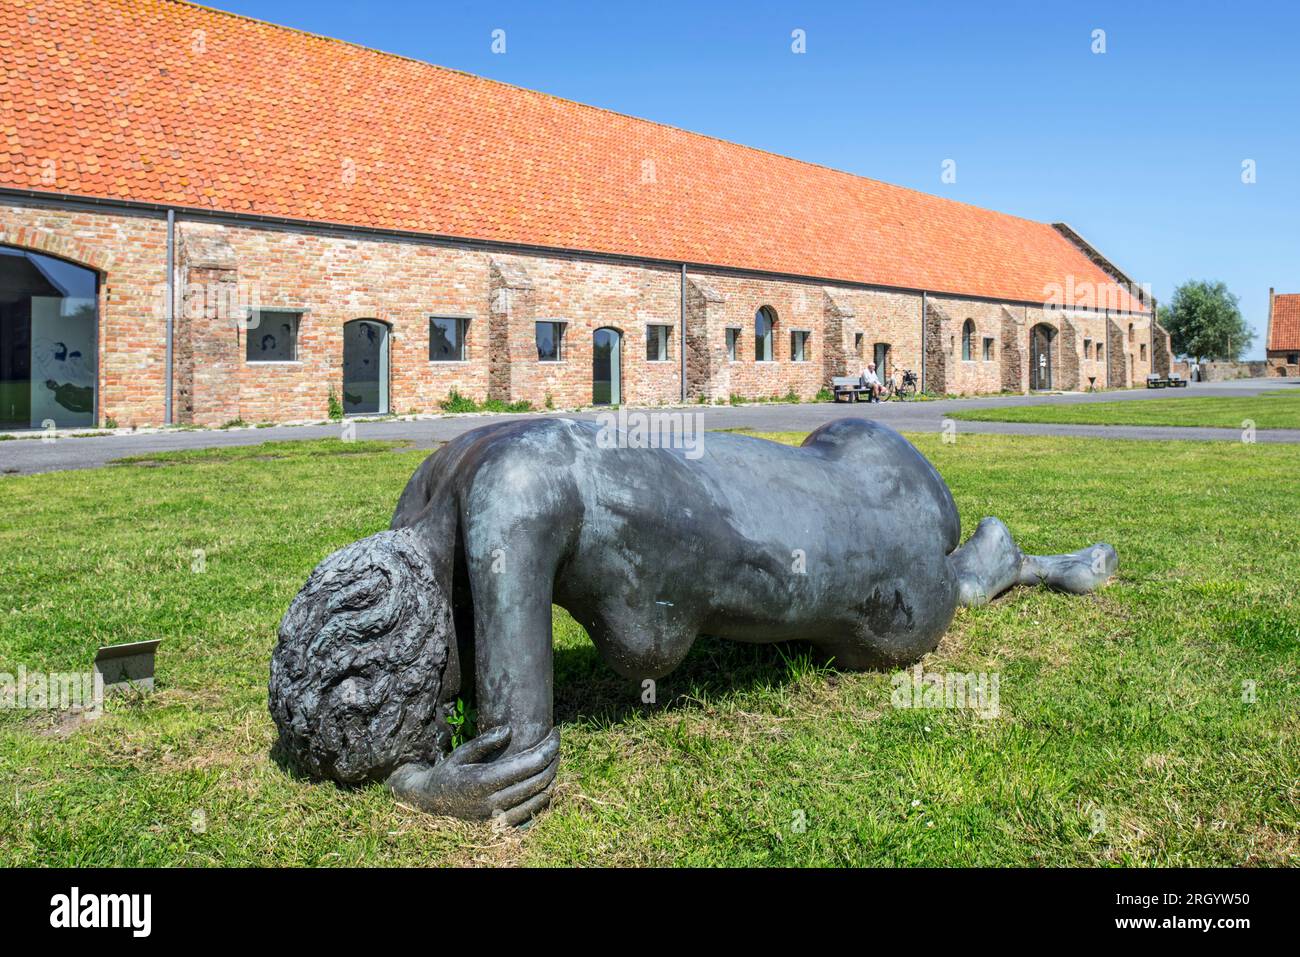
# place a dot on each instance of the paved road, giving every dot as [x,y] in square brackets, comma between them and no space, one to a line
[34,455]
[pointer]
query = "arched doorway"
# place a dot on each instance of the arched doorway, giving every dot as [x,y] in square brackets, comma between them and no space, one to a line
[49,310]
[365,367]
[1041,337]
[607,367]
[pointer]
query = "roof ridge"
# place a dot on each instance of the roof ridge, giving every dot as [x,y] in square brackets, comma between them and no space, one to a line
[606,110]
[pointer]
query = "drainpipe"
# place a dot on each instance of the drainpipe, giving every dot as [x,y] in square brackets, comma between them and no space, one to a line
[682,319]
[923,309]
[171,311]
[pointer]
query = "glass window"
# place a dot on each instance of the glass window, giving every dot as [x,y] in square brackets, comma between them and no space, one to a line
[764,320]
[48,341]
[967,334]
[550,341]
[799,346]
[447,339]
[988,349]
[656,343]
[273,336]
[733,337]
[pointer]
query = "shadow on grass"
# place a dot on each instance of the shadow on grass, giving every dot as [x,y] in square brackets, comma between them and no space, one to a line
[588,691]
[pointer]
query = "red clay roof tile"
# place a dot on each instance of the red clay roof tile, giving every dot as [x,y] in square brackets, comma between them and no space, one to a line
[1284,329]
[166,102]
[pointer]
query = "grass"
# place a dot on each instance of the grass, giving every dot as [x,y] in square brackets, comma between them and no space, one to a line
[1277,409]
[455,402]
[1123,737]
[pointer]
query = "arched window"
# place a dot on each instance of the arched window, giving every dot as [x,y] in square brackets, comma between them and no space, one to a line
[48,341]
[967,335]
[1130,333]
[764,321]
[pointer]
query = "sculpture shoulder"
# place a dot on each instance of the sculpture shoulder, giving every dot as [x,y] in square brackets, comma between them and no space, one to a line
[511,454]
[852,438]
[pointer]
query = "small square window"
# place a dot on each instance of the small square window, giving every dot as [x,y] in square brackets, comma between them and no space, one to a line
[799,345]
[550,342]
[656,343]
[1293,358]
[447,339]
[988,349]
[273,336]
[733,337]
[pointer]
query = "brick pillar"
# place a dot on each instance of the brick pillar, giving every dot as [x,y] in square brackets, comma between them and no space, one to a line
[708,372]
[1015,352]
[836,316]
[938,330]
[510,327]
[1162,353]
[207,360]
[1117,376]
[1067,377]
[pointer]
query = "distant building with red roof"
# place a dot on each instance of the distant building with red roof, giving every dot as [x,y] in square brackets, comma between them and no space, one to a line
[1283,349]
[349,226]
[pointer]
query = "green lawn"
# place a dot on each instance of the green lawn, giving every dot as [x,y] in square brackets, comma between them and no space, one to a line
[1123,736]
[1279,409]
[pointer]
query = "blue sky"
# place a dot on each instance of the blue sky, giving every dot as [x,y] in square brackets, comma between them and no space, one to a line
[1140,148]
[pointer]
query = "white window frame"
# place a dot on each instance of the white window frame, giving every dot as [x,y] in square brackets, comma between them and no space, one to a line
[561,352]
[463,323]
[250,330]
[664,337]
[805,341]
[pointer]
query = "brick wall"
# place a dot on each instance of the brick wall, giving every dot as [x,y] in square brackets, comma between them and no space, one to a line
[223,271]
[1277,364]
[976,374]
[130,253]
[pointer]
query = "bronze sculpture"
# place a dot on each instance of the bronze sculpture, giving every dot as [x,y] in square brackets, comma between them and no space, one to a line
[647,548]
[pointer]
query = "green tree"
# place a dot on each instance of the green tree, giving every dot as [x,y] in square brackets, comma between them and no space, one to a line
[1204,321]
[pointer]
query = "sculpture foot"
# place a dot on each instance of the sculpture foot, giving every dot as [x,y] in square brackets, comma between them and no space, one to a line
[990,562]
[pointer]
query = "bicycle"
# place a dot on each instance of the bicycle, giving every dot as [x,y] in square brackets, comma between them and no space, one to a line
[903,389]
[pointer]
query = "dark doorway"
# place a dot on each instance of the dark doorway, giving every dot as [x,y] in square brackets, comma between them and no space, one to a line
[48,341]
[1040,357]
[365,367]
[607,367]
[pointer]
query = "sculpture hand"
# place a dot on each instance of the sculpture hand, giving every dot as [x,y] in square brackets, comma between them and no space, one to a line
[469,785]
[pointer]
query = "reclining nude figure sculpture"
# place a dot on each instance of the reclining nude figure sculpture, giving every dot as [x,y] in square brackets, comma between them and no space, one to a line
[849,541]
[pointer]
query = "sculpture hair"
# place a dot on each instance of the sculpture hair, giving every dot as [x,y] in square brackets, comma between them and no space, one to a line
[357,673]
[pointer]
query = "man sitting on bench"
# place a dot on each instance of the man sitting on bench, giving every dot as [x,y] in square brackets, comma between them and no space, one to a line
[871,382]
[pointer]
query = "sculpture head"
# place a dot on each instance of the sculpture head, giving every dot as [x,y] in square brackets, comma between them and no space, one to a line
[356,677]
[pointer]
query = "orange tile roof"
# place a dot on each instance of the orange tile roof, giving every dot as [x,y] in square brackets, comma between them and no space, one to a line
[1284,325]
[166,102]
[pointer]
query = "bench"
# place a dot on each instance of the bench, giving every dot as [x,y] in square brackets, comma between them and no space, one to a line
[851,386]
[1175,381]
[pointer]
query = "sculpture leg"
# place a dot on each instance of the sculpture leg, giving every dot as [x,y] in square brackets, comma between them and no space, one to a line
[990,562]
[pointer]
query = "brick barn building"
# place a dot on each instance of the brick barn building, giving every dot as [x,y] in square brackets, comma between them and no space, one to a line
[206,218]
[1282,353]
